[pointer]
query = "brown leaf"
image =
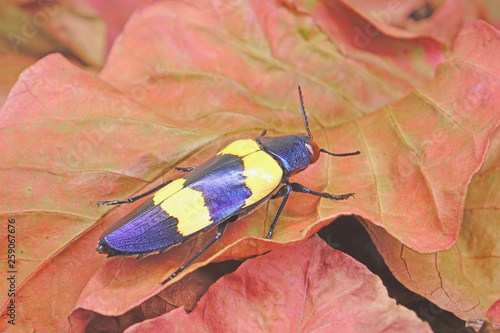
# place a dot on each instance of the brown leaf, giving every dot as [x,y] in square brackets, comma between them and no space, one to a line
[493,316]
[13,65]
[165,98]
[305,288]
[441,20]
[464,278]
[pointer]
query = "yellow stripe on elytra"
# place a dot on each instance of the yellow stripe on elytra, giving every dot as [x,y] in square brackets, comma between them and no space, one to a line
[240,148]
[168,190]
[188,206]
[263,174]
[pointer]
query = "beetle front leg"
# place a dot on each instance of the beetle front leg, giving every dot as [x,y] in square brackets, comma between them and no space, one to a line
[296,187]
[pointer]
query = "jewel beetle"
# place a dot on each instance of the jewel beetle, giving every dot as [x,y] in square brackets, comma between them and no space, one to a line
[230,185]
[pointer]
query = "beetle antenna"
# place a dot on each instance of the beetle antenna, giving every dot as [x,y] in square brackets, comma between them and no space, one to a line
[309,132]
[304,114]
[344,154]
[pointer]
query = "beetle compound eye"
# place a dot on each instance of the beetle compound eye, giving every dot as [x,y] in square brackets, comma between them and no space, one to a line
[313,150]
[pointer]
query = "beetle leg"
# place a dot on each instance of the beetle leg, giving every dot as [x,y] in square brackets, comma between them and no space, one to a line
[286,193]
[178,169]
[301,188]
[137,197]
[263,133]
[281,192]
[220,230]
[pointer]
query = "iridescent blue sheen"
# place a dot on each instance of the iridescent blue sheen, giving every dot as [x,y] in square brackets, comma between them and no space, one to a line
[146,230]
[223,190]
[150,228]
[289,150]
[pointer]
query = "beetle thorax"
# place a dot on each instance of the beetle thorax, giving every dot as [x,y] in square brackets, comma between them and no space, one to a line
[294,152]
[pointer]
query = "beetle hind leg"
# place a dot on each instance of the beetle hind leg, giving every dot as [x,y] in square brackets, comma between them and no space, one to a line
[137,197]
[220,230]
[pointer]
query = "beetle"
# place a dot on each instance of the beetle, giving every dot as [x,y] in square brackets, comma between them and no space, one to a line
[230,185]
